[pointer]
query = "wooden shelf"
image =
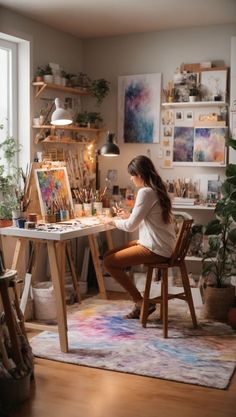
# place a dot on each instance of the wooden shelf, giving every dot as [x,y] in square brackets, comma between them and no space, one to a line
[70,127]
[196,104]
[41,86]
[193,207]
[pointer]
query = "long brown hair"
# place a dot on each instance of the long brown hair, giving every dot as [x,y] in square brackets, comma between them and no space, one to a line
[143,166]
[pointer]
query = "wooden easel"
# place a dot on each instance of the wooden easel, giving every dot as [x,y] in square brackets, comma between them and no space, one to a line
[34,207]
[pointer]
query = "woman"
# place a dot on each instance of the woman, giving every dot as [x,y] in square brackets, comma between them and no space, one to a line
[152,216]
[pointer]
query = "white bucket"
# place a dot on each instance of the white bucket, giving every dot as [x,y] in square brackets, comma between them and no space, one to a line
[44,301]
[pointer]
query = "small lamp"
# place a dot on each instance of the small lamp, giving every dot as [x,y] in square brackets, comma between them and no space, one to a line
[60,116]
[109,148]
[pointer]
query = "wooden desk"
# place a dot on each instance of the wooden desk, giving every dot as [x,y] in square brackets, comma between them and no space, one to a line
[56,241]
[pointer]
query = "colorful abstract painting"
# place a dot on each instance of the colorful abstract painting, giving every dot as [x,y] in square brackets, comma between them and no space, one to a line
[53,190]
[209,145]
[139,108]
[183,144]
[100,337]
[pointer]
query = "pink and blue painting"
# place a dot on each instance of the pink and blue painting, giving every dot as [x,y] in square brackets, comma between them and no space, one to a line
[183,144]
[139,108]
[209,145]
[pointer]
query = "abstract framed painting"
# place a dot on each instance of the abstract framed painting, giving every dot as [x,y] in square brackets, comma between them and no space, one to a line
[183,144]
[53,190]
[139,99]
[209,146]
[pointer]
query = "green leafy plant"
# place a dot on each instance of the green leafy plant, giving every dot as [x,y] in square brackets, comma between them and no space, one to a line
[11,192]
[99,89]
[219,261]
[39,72]
[47,70]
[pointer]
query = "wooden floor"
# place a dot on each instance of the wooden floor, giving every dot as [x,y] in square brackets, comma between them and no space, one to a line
[65,390]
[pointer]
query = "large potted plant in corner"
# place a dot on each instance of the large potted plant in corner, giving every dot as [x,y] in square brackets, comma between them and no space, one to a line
[219,261]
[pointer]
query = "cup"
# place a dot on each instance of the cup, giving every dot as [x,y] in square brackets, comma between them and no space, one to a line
[87,209]
[21,223]
[97,208]
[78,210]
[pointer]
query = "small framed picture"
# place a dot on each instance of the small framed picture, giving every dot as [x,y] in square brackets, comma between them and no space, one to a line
[179,117]
[188,115]
[167,117]
[167,131]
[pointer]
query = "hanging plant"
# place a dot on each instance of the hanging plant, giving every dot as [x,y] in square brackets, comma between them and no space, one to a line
[99,89]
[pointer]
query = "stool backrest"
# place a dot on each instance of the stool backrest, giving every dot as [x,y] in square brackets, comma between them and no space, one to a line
[183,242]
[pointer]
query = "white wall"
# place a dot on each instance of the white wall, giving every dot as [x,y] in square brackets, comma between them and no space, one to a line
[46,45]
[149,53]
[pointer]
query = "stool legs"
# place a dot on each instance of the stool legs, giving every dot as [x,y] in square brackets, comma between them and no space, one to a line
[187,290]
[145,304]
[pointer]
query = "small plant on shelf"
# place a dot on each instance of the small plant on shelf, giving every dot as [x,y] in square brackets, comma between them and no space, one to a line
[39,73]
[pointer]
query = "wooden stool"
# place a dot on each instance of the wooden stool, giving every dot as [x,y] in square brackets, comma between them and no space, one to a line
[176,260]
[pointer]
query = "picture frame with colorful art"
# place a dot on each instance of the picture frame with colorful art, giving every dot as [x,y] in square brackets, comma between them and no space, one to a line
[54,191]
[139,99]
[199,146]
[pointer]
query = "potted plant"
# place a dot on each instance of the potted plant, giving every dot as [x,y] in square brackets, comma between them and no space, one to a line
[39,73]
[219,260]
[95,119]
[193,93]
[82,119]
[99,89]
[48,75]
[12,195]
[83,81]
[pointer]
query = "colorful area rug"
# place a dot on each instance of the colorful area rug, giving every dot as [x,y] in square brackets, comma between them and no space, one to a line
[99,337]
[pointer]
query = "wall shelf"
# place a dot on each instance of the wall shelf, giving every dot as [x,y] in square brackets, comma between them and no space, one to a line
[193,207]
[70,127]
[40,86]
[195,104]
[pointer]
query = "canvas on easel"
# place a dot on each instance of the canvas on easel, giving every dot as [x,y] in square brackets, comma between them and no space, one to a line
[53,190]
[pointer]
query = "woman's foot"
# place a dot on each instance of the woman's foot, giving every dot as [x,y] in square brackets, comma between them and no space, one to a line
[135,312]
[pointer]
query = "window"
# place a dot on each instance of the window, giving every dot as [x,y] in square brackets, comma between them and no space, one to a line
[8,88]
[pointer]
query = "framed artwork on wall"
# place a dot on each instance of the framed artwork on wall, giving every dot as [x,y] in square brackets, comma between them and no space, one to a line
[209,146]
[53,190]
[139,108]
[200,146]
[214,85]
[183,143]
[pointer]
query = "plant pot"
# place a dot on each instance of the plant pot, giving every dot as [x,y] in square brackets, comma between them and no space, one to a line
[48,79]
[217,302]
[192,98]
[5,222]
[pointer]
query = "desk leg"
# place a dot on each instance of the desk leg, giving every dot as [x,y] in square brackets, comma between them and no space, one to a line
[59,293]
[109,239]
[95,256]
[73,273]
[19,248]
